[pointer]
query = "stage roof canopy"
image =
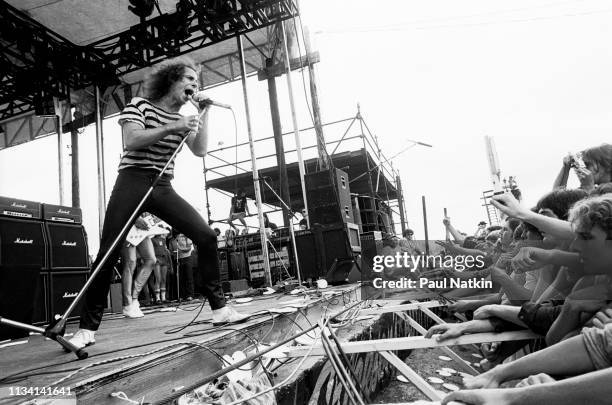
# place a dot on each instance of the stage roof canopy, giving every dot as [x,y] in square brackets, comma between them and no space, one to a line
[60,48]
[355,163]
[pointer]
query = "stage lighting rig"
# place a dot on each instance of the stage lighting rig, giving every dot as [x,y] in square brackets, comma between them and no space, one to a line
[142,8]
[44,105]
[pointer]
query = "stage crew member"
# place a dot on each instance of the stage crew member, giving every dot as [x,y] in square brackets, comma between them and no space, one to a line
[152,129]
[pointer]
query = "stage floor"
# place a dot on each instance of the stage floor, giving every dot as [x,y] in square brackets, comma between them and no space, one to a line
[123,358]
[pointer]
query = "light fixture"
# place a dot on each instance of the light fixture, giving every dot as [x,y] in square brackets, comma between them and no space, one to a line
[142,8]
[43,105]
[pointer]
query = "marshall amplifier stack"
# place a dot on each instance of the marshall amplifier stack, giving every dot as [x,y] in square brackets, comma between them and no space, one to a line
[44,261]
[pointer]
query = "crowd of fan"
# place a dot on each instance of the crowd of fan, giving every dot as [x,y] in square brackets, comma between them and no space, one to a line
[551,267]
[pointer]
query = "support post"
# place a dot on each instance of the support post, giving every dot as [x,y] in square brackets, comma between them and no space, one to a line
[60,149]
[100,161]
[279,146]
[400,202]
[425,226]
[296,131]
[369,170]
[74,145]
[204,170]
[447,231]
[324,162]
[256,185]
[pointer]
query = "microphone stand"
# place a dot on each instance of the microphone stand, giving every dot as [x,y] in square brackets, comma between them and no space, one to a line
[291,232]
[56,329]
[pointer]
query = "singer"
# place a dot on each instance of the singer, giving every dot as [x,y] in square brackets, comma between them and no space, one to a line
[152,129]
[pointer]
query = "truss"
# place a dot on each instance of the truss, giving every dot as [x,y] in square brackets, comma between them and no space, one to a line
[36,63]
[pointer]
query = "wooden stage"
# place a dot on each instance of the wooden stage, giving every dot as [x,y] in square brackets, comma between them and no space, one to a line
[141,358]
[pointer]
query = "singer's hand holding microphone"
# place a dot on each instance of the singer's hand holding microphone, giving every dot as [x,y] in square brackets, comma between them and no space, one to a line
[187,123]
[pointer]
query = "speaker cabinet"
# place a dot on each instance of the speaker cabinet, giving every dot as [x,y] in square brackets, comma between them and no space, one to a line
[67,247]
[40,314]
[308,257]
[22,243]
[19,287]
[335,243]
[329,197]
[64,287]
[223,265]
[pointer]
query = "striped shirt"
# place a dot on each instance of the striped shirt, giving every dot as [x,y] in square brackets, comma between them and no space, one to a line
[150,116]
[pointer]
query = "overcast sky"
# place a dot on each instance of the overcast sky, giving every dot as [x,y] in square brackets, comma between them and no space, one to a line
[535,75]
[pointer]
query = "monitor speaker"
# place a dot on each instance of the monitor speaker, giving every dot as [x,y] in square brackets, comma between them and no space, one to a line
[67,247]
[308,257]
[22,243]
[19,287]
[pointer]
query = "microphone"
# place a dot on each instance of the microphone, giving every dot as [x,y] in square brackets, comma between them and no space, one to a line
[200,97]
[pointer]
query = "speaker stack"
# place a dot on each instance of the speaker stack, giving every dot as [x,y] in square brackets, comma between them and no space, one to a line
[328,248]
[68,256]
[329,197]
[44,261]
[23,253]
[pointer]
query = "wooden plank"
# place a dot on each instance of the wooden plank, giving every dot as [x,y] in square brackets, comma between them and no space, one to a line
[411,375]
[414,342]
[430,314]
[460,362]
[403,307]
[439,320]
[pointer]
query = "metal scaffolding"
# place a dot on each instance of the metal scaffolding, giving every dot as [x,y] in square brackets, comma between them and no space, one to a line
[381,179]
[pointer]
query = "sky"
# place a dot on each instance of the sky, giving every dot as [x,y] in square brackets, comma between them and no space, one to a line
[533,74]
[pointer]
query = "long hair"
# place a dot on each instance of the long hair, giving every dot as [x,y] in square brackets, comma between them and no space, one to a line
[602,155]
[560,201]
[594,211]
[162,76]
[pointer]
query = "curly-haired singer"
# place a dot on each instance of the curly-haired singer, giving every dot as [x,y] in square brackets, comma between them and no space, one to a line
[152,129]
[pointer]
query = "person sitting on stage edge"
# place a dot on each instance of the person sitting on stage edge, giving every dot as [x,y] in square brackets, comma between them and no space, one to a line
[239,210]
[152,129]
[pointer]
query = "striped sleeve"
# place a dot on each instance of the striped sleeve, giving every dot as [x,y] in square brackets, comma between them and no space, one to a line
[132,113]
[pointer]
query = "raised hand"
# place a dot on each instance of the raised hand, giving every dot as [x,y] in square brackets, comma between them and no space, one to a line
[509,205]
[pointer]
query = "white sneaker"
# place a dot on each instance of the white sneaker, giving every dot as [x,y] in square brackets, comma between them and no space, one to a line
[82,338]
[227,315]
[133,310]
